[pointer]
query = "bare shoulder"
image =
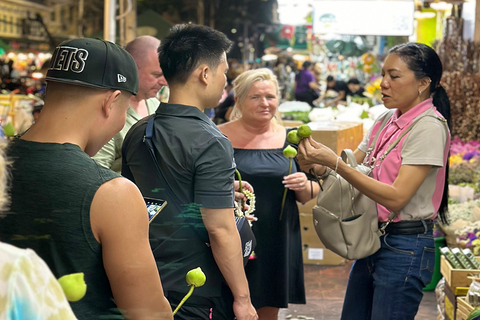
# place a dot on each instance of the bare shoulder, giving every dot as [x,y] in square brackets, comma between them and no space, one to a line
[229,127]
[117,204]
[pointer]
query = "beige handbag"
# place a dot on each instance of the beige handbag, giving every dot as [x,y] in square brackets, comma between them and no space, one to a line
[346,220]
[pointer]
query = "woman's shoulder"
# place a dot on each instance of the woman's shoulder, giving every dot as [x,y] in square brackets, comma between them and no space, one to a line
[228,127]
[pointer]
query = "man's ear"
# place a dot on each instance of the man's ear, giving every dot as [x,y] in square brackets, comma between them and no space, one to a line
[204,74]
[109,100]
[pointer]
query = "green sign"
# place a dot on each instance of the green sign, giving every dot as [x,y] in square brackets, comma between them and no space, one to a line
[286,36]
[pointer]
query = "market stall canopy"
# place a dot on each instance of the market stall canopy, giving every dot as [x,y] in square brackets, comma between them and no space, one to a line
[151,23]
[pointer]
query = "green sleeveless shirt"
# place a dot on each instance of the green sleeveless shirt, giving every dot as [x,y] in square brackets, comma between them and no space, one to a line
[51,188]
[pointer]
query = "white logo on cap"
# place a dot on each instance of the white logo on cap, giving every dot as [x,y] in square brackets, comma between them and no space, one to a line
[69,59]
[121,78]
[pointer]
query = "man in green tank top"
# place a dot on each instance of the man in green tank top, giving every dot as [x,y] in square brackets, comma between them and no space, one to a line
[77,215]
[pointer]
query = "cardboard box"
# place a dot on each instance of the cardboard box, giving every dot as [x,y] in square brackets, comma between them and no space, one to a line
[463,308]
[456,277]
[308,206]
[338,135]
[451,301]
[314,252]
[291,123]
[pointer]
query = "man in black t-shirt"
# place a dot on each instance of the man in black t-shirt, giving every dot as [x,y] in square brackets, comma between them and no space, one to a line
[354,88]
[338,86]
[194,171]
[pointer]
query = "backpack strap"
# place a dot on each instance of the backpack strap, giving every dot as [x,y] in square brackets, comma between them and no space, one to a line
[147,139]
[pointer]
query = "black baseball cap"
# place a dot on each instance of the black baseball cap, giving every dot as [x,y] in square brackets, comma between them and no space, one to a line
[93,63]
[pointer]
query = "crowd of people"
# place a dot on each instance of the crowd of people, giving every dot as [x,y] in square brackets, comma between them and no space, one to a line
[78,178]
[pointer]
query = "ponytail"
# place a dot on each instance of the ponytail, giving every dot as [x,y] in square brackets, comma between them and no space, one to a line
[442,103]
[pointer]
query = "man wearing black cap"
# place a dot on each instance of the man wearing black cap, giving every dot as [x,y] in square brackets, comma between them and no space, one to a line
[77,215]
[196,176]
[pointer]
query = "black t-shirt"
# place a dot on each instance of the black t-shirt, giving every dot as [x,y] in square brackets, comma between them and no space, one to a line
[358,93]
[339,86]
[196,162]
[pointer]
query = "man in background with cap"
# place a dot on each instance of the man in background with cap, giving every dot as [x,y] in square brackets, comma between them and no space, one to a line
[75,214]
[150,77]
[196,176]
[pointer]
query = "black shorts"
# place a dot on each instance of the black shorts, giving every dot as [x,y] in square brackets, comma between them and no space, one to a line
[200,308]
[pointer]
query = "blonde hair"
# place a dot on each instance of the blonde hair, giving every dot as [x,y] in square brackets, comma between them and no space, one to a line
[243,83]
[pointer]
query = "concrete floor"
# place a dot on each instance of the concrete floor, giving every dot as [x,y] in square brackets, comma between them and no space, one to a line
[325,288]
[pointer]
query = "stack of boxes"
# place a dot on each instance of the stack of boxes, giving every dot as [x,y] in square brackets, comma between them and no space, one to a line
[457,282]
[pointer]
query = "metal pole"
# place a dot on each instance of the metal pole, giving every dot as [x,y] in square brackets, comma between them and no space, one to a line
[109,20]
[80,18]
[121,23]
[245,45]
[476,34]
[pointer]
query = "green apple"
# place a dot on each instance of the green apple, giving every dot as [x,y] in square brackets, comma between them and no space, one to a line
[293,137]
[196,277]
[289,152]
[74,286]
[304,131]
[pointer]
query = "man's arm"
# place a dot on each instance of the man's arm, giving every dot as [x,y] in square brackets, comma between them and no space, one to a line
[119,220]
[227,251]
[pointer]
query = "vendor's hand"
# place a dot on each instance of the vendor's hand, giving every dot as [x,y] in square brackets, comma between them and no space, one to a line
[246,186]
[296,181]
[311,152]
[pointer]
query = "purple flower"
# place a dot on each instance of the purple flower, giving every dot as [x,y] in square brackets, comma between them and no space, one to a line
[469,155]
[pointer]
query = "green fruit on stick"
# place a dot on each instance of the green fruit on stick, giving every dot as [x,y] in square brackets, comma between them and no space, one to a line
[304,131]
[74,286]
[293,137]
[196,277]
[290,152]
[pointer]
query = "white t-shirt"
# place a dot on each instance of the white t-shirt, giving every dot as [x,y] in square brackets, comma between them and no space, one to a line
[28,289]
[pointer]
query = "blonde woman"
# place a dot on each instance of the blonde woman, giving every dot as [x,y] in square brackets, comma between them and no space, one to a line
[276,275]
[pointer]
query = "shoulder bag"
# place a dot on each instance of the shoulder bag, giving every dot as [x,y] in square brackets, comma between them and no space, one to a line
[346,220]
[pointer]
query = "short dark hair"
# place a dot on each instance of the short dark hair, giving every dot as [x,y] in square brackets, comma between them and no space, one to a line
[189,45]
[353,81]
[306,64]
[330,78]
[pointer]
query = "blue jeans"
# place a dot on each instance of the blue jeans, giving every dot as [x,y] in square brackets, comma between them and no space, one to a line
[389,283]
